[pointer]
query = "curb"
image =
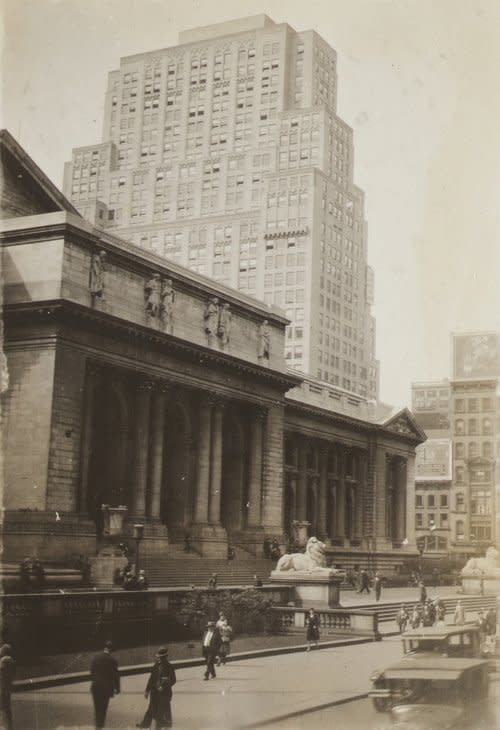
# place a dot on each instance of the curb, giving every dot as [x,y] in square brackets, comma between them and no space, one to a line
[58,680]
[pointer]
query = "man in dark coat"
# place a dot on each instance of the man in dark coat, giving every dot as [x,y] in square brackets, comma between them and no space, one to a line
[364,582]
[210,645]
[159,690]
[105,682]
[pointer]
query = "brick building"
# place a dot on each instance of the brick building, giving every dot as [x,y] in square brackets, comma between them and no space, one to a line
[225,153]
[134,381]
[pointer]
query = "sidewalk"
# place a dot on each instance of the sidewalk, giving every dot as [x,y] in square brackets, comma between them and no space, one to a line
[246,692]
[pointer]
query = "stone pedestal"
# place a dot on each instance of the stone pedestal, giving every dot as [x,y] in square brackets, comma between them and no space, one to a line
[472,585]
[114,519]
[104,565]
[316,589]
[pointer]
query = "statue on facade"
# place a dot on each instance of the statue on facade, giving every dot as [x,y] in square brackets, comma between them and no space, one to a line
[314,558]
[167,297]
[211,319]
[264,343]
[97,276]
[224,326]
[152,292]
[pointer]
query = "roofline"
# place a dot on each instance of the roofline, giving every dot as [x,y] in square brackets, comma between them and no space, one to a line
[20,154]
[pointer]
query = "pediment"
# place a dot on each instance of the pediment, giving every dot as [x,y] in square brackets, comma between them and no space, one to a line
[404,424]
[25,189]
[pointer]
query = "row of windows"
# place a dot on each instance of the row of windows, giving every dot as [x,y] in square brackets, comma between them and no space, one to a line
[473,450]
[473,426]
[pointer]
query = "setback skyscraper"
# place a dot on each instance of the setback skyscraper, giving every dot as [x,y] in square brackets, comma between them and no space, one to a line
[225,153]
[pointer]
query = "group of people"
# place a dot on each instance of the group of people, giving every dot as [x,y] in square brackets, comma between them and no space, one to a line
[429,612]
[129,580]
[362,581]
[31,574]
[487,623]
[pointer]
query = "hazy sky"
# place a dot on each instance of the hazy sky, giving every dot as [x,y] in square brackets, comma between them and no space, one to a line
[418,81]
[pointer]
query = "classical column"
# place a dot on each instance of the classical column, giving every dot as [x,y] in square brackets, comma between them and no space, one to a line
[216,465]
[340,501]
[400,505]
[301,500]
[322,491]
[158,438]
[203,476]
[88,419]
[140,474]
[255,475]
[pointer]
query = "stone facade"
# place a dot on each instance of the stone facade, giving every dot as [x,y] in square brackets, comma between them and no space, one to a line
[108,405]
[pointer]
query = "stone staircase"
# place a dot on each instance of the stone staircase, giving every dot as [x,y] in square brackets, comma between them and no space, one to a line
[180,569]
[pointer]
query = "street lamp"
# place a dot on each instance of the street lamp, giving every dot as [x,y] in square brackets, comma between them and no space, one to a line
[138,535]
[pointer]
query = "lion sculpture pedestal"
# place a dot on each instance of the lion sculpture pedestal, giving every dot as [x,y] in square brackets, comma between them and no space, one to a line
[315,585]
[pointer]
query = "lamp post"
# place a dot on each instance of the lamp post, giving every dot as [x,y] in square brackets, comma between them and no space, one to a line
[138,535]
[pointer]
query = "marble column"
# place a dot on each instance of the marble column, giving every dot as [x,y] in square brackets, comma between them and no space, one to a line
[322,492]
[157,445]
[255,475]
[203,476]
[216,465]
[141,448]
[341,495]
[301,500]
[88,421]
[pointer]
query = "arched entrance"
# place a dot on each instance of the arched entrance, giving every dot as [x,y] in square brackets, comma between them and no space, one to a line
[108,459]
[289,503]
[175,505]
[311,515]
[234,472]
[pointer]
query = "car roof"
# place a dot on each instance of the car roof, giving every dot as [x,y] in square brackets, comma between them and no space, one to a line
[429,665]
[438,632]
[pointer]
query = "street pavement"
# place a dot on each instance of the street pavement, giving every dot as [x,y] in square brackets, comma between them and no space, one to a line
[247,693]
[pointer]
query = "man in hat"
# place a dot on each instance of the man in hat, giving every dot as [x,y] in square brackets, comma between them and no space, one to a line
[159,691]
[210,645]
[105,682]
[7,671]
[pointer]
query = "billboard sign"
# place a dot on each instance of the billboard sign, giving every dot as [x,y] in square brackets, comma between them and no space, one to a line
[476,355]
[433,460]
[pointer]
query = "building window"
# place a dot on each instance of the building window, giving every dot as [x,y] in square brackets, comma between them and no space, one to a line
[430,500]
[443,500]
[459,427]
[459,503]
[419,500]
[419,520]
[459,531]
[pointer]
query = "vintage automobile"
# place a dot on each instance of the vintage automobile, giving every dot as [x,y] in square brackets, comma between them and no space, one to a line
[441,666]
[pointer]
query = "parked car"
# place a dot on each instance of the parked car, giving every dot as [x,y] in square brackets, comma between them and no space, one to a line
[441,666]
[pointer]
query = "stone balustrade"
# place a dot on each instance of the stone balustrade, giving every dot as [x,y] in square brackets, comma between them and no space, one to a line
[332,621]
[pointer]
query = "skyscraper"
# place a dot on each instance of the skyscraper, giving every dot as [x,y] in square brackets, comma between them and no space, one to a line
[225,154]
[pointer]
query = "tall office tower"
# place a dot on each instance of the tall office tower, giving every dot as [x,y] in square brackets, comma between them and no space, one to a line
[225,154]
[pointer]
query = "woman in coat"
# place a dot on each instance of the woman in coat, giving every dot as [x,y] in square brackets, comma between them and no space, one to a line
[159,691]
[312,623]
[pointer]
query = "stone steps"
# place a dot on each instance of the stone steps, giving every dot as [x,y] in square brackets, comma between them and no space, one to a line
[193,570]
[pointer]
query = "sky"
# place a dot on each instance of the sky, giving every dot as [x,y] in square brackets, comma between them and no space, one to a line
[418,80]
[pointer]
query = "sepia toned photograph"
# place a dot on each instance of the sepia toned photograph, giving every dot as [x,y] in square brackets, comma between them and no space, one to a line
[250,365]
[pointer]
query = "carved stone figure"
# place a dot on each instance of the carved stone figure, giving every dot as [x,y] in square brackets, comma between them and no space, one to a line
[152,290]
[97,277]
[211,319]
[167,297]
[224,327]
[489,566]
[313,559]
[264,344]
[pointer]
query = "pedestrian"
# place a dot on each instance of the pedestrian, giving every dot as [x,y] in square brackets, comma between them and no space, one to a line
[210,645]
[7,672]
[187,542]
[212,583]
[38,573]
[481,584]
[416,617]
[491,622]
[402,618]
[364,582]
[481,625]
[423,592]
[377,584]
[435,577]
[429,614]
[142,581]
[459,615]
[226,634]
[159,692]
[257,581]
[105,682]
[312,628]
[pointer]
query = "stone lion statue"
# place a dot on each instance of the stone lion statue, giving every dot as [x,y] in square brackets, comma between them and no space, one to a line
[314,558]
[489,565]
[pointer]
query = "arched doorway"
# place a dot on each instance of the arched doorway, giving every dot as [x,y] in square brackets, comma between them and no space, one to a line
[289,503]
[350,512]
[311,514]
[331,510]
[108,459]
[234,472]
[175,506]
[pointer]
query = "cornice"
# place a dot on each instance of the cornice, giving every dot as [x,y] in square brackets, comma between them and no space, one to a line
[62,311]
[133,257]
